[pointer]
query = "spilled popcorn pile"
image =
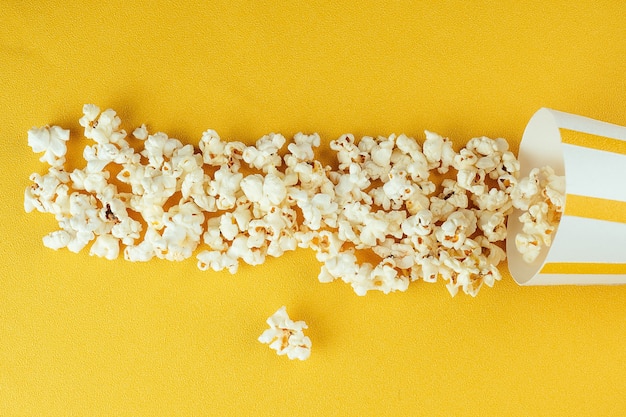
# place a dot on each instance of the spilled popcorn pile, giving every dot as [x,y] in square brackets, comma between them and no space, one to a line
[388,212]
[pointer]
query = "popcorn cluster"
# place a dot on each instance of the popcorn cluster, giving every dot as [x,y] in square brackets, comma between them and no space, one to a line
[386,212]
[541,197]
[285,336]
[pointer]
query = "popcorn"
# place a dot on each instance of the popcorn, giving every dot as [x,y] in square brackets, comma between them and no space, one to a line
[385,277]
[340,265]
[380,200]
[302,147]
[158,147]
[529,246]
[374,229]
[318,210]
[51,141]
[101,127]
[106,246]
[420,224]
[347,152]
[181,233]
[286,336]
[457,227]
[212,148]
[493,225]
[57,239]
[439,152]
[222,190]
[45,192]
[141,132]
[265,153]
[472,179]
[541,197]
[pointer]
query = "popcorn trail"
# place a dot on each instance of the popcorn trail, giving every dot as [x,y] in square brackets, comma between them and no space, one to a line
[230,202]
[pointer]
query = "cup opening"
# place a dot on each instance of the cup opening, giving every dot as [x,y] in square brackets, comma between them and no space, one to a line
[540,146]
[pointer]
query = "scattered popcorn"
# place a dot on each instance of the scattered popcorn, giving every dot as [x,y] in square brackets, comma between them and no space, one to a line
[285,336]
[414,210]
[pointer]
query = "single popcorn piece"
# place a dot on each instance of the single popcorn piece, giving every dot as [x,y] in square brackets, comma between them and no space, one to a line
[52,141]
[286,337]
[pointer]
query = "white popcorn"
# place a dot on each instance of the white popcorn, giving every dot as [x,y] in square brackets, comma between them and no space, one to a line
[509,165]
[141,132]
[340,265]
[378,201]
[226,184]
[144,251]
[319,209]
[381,151]
[483,146]
[465,159]
[542,198]
[529,246]
[493,225]
[439,152]
[217,261]
[493,200]
[526,190]
[286,336]
[536,223]
[158,147]
[398,187]
[57,239]
[46,192]
[408,145]
[181,234]
[264,192]
[347,152]
[420,224]
[326,244]
[52,141]
[242,248]
[350,186]
[93,182]
[417,202]
[385,277]
[90,114]
[126,229]
[228,226]
[302,147]
[553,188]
[213,149]
[265,153]
[472,179]
[457,227]
[102,127]
[374,230]
[452,198]
[106,246]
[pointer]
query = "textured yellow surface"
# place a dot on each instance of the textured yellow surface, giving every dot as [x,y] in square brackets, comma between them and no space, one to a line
[81,336]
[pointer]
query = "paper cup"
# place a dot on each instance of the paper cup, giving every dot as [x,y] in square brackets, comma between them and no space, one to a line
[589,245]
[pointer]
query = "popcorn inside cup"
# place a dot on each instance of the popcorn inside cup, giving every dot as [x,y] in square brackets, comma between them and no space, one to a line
[541,197]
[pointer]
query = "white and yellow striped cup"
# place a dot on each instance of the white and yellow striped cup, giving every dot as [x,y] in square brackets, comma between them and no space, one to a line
[589,246]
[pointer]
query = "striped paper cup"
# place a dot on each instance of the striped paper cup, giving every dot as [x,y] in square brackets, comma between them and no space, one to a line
[589,245]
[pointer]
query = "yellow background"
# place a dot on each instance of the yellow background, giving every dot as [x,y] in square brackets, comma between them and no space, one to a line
[81,336]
